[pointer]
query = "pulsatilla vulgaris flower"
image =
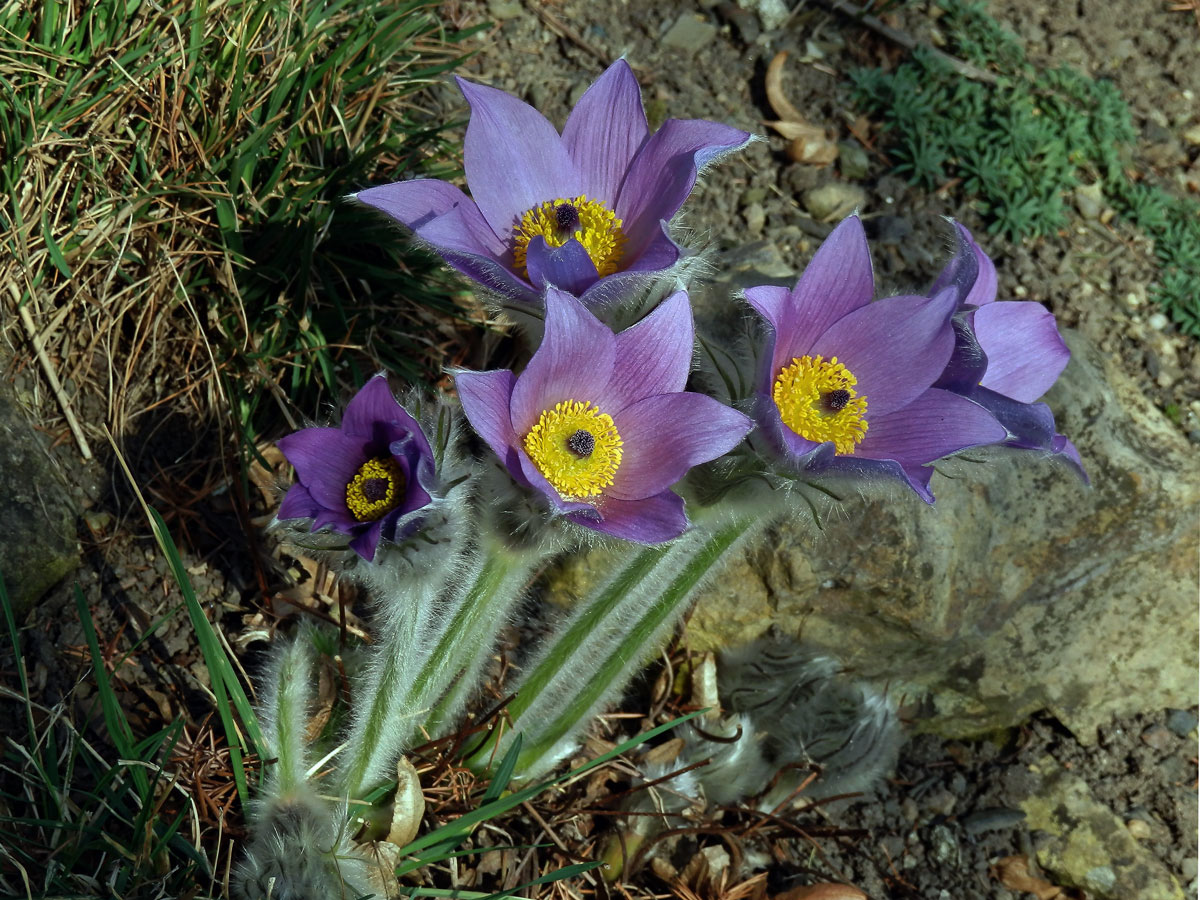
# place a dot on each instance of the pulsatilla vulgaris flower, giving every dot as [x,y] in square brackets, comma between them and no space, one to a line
[599,422]
[1006,355]
[846,384]
[370,478]
[585,211]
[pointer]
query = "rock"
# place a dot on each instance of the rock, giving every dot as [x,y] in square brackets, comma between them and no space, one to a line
[756,219]
[504,9]
[1089,847]
[1181,721]
[1089,200]
[36,517]
[853,162]
[689,33]
[772,13]
[1022,590]
[834,200]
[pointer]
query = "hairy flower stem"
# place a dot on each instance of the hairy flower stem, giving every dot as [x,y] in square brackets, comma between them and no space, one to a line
[284,716]
[612,634]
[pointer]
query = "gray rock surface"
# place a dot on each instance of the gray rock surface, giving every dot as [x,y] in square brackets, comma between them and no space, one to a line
[37,522]
[1021,590]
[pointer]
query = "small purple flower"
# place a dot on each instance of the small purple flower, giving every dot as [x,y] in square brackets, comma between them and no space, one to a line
[586,211]
[600,422]
[847,384]
[1006,355]
[370,478]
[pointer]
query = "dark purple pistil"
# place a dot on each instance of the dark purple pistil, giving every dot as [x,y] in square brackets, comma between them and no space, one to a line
[566,218]
[835,401]
[375,489]
[581,443]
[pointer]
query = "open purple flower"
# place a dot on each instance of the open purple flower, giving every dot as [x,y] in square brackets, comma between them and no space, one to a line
[1006,355]
[847,384]
[370,478]
[586,211]
[599,422]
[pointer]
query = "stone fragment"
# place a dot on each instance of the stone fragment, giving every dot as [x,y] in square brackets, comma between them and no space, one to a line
[834,200]
[689,33]
[853,162]
[1181,721]
[38,546]
[1089,847]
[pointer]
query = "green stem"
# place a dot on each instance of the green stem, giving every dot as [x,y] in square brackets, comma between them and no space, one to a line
[657,613]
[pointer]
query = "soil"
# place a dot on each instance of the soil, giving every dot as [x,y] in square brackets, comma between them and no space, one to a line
[910,835]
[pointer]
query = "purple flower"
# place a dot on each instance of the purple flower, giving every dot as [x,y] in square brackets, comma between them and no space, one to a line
[370,478]
[600,423]
[586,211]
[1006,355]
[847,384]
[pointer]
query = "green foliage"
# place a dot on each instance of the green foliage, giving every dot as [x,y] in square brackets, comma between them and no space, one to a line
[1022,144]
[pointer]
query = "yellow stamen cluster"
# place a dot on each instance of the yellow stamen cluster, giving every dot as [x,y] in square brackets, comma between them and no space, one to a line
[588,221]
[817,400]
[586,470]
[367,498]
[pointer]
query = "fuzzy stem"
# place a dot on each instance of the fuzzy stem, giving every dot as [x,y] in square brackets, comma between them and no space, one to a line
[285,715]
[629,614]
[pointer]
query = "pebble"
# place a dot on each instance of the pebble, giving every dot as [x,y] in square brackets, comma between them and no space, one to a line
[1158,738]
[1089,200]
[834,200]
[756,218]
[994,819]
[944,846]
[689,33]
[1182,721]
[1139,829]
[1158,321]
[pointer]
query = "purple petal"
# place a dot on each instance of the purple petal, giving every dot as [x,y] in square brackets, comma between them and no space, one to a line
[664,172]
[934,425]
[967,362]
[492,275]
[513,157]
[367,542]
[325,460]
[651,520]
[659,254]
[574,362]
[422,201]
[372,405]
[835,283]
[664,436]
[605,131]
[970,272]
[568,267]
[773,302]
[1065,450]
[896,348]
[655,355]
[463,229]
[486,398]
[1024,350]
[341,520]
[915,476]
[298,504]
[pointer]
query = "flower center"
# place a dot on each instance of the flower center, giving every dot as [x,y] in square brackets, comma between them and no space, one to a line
[576,447]
[376,489]
[590,222]
[817,400]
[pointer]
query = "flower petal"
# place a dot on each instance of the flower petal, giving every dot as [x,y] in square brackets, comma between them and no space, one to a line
[513,157]
[664,436]
[835,283]
[298,504]
[934,425]
[664,172]
[896,348]
[366,543]
[574,362]
[651,520]
[962,271]
[655,355]
[372,405]
[419,202]
[568,267]
[605,131]
[967,362]
[325,460]
[1025,352]
[486,398]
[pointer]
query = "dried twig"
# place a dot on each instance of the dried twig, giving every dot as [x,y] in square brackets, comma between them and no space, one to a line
[48,370]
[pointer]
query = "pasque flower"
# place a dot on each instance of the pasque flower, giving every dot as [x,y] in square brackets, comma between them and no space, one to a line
[1006,355]
[847,384]
[599,423]
[585,211]
[370,478]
